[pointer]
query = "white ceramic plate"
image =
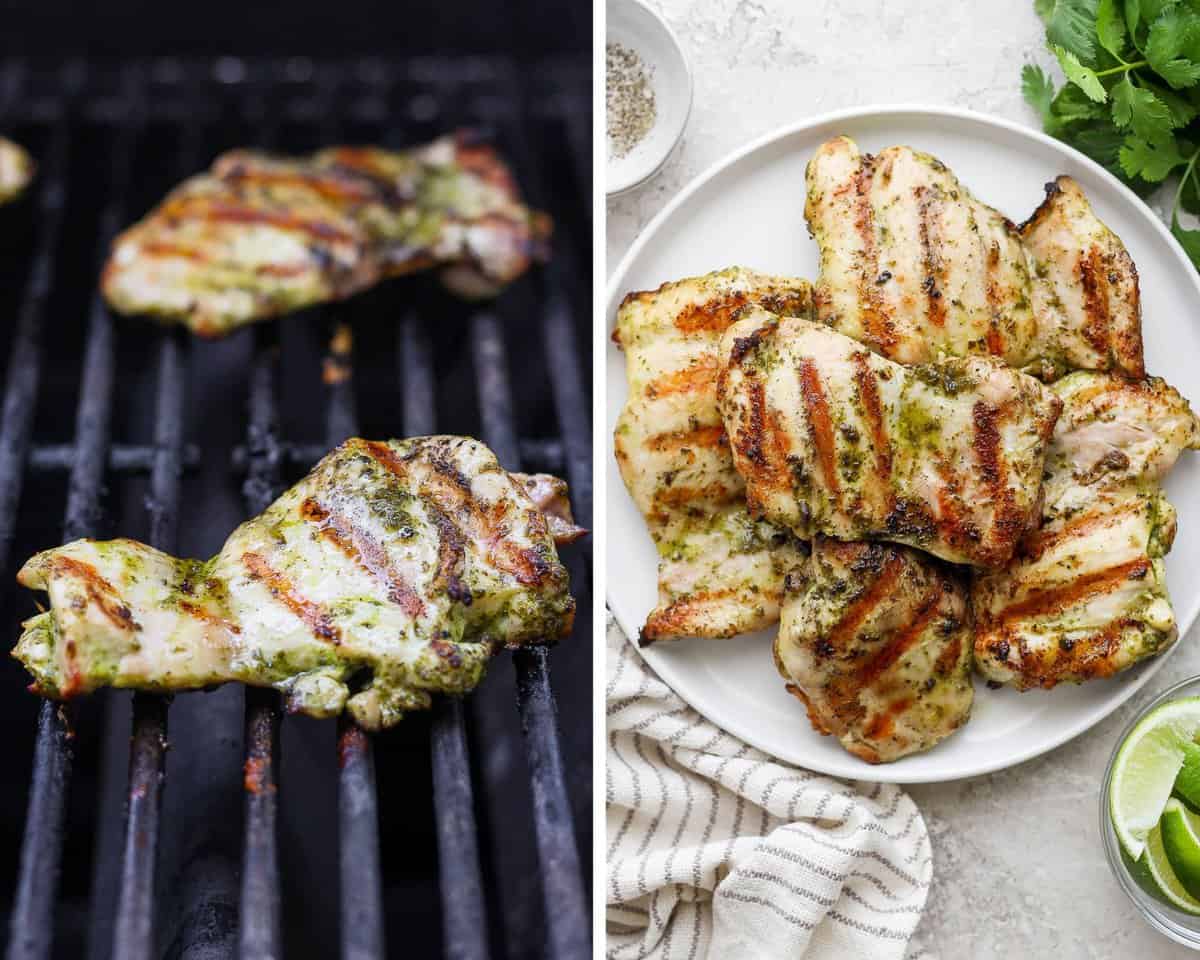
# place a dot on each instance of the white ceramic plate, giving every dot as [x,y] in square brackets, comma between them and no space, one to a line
[749,210]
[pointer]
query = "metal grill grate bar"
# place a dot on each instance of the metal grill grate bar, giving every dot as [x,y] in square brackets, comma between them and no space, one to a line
[121,457]
[358,799]
[134,933]
[562,883]
[464,913]
[32,921]
[260,902]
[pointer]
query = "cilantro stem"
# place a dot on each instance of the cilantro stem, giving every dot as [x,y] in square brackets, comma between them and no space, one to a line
[1188,171]
[1123,68]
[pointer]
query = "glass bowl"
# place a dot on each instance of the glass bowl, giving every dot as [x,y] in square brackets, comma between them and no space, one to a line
[1179,926]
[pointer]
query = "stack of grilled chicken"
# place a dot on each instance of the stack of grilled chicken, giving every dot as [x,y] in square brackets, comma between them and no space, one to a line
[945,455]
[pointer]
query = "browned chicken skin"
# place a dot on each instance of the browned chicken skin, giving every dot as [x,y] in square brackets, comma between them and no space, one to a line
[261,235]
[875,640]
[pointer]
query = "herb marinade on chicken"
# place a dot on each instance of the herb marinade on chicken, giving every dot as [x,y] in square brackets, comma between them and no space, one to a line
[393,571]
[1086,594]
[833,439]
[16,170]
[875,640]
[720,571]
[259,235]
[913,265]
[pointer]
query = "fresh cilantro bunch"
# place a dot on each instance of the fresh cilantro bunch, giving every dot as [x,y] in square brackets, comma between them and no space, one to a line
[1132,94]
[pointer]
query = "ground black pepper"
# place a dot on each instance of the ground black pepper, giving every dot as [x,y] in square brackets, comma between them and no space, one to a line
[629,97]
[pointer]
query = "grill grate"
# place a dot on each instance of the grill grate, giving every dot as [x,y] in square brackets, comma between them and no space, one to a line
[487,858]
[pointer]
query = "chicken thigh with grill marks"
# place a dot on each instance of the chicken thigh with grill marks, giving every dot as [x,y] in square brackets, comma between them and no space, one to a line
[875,640]
[833,439]
[1086,596]
[393,571]
[912,265]
[720,571]
[260,235]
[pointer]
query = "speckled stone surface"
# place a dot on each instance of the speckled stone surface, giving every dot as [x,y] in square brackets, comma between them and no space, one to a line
[1019,867]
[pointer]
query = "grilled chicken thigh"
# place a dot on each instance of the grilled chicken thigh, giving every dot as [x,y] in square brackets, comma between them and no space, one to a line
[913,265]
[391,572]
[1085,285]
[1086,595]
[833,439]
[260,235]
[16,170]
[875,640]
[720,572]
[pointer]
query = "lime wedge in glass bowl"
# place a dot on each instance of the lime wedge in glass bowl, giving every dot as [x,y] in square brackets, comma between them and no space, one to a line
[1150,814]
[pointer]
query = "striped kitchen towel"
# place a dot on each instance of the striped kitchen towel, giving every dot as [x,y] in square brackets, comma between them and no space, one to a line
[716,850]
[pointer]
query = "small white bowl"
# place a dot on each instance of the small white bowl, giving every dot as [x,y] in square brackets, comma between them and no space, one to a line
[634,25]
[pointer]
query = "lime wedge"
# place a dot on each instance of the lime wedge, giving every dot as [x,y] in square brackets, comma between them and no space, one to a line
[1187,781]
[1145,769]
[1180,830]
[1154,874]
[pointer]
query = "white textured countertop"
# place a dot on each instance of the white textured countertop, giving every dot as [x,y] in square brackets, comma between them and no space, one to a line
[1019,870]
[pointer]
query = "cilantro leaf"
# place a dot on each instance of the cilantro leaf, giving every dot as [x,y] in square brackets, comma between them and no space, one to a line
[1181,109]
[1070,25]
[1175,31]
[1083,77]
[1150,161]
[1071,104]
[1138,108]
[1110,27]
[1133,16]
[1038,91]
[1102,142]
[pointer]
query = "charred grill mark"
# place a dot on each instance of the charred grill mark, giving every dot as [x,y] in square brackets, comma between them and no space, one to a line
[924,615]
[365,551]
[210,209]
[161,248]
[683,496]
[452,553]
[1097,318]
[868,391]
[749,343]
[452,497]
[995,339]
[314,616]
[700,376]
[99,591]
[1052,600]
[200,613]
[864,605]
[680,439]
[1036,545]
[330,184]
[712,316]
[986,442]
[452,543]
[948,659]
[446,468]
[877,322]
[750,440]
[935,305]
[816,408]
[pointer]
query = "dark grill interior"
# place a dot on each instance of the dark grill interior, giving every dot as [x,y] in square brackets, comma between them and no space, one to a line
[465,833]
